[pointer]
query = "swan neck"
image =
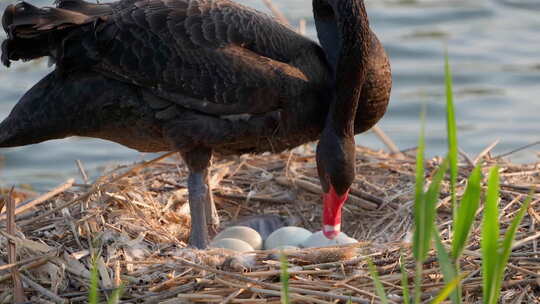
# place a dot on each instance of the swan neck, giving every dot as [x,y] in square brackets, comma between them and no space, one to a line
[344,34]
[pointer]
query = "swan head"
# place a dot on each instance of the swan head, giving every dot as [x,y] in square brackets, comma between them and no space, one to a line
[335,165]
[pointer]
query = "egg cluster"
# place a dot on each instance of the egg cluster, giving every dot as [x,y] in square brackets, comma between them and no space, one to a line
[243,239]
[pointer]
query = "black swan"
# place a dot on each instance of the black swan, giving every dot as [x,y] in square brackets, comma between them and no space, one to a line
[201,77]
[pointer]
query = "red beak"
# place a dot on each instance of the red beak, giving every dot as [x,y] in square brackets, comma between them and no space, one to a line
[332,204]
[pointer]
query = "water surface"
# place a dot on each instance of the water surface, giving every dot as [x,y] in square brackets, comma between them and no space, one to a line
[494,48]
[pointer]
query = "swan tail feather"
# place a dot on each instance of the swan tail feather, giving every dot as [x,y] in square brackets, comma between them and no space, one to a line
[35,32]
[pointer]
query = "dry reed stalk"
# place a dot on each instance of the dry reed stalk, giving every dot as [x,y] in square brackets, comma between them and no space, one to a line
[233,295]
[270,273]
[173,282]
[517,150]
[366,293]
[386,140]
[315,188]
[43,291]
[294,296]
[486,151]
[26,267]
[267,285]
[42,198]
[95,188]
[82,171]
[18,292]
[27,261]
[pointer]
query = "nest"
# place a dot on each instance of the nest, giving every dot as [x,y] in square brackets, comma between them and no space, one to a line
[133,224]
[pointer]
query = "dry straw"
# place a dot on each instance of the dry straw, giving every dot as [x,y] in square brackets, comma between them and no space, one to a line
[137,227]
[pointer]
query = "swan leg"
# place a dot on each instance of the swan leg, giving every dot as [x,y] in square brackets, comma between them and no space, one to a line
[201,203]
[197,196]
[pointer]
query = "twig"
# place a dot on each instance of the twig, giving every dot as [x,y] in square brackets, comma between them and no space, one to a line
[505,284]
[367,196]
[94,189]
[311,187]
[29,266]
[159,296]
[524,241]
[49,294]
[274,292]
[82,171]
[233,295]
[486,151]
[328,265]
[18,292]
[268,285]
[386,140]
[271,200]
[466,157]
[27,261]
[246,301]
[364,292]
[270,273]
[42,198]
[523,270]
[534,214]
[518,150]
[168,284]
[198,296]
[532,188]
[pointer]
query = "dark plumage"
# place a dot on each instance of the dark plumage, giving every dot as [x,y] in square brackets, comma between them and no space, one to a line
[199,77]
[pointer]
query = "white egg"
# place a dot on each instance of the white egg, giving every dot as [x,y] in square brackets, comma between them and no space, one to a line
[246,234]
[318,239]
[287,236]
[232,244]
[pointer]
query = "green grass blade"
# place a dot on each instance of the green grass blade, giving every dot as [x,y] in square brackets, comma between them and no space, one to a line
[377,282]
[466,212]
[490,236]
[419,216]
[284,280]
[447,290]
[506,250]
[404,282]
[93,295]
[447,267]
[429,207]
[420,179]
[418,282]
[432,194]
[116,295]
[451,130]
[419,208]
[425,221]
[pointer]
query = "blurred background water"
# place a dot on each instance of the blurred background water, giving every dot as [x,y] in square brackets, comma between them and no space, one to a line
[494,48]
